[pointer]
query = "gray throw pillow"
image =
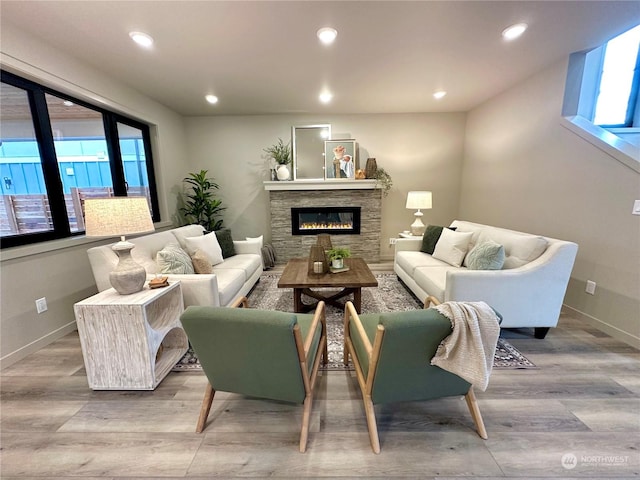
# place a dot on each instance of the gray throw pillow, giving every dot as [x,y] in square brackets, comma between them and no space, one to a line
[226,242]
[488,255]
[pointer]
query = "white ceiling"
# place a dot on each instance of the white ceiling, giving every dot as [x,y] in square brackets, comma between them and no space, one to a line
[264,57]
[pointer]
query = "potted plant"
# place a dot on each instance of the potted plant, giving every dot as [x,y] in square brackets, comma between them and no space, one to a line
[281,154]
[200,205]
[383,179]
[337,256]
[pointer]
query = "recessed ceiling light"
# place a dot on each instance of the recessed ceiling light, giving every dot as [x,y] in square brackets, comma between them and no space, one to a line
[439,94]
[141,39]
[211,99]
[325,97]
[327,35]
[514,31]
[67,103]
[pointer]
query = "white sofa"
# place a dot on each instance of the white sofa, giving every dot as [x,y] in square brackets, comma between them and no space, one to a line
[528,291]
[232,278]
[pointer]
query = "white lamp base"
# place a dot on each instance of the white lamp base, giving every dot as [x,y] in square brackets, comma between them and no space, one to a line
[129,276]
[417,227]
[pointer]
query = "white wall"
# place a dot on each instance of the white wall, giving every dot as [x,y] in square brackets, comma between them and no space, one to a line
[523,170]
[419,151]
[62,274]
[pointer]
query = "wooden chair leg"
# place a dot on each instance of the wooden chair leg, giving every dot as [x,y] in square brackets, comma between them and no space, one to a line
[371,424]
[306,417]
[474,409]
[206,407]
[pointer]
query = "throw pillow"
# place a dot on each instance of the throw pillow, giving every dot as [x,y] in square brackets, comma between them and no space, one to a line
[226,242]
[452,246]
[172,259]
[201,263]
[208,244]
[430,238]
[488,255]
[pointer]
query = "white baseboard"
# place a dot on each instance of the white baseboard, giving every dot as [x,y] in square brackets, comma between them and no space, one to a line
[615,332]
[36,345]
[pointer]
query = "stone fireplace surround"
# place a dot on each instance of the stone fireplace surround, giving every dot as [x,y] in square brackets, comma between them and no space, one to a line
[364,194]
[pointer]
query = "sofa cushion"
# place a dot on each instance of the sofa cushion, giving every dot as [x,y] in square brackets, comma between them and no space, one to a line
[208,244]
[201,262]
[410,260]
[248,263]
[147,248]
[181,233]
[433,279]
[487,255]
[230,281]
[172,259]
[519,248]
[452,247]
[226,242]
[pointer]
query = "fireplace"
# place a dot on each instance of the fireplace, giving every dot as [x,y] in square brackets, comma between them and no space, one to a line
[333,220]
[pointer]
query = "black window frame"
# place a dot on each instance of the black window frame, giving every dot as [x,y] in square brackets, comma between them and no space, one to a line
[44,137]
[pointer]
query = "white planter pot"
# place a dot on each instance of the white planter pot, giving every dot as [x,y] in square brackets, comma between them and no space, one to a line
[337,263]
[283,172]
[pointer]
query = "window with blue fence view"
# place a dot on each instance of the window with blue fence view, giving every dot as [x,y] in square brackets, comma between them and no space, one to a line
[50,163]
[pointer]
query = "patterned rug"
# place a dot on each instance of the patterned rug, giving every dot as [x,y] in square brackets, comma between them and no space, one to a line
[389,296]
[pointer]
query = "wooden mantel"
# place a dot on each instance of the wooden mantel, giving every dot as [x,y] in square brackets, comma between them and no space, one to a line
[321,185]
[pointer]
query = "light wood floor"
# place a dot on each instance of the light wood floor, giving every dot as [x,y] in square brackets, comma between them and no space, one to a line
[583,400]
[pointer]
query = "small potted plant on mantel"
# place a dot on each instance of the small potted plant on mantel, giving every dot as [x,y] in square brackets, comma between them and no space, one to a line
[281,154]
[337,256]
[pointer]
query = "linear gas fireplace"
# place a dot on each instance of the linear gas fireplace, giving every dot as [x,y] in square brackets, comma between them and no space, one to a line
[333,220]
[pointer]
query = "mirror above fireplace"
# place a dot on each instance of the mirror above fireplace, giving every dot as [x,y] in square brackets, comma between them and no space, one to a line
[307,142]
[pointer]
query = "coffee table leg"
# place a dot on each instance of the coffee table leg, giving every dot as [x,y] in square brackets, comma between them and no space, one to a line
[357,299]
[298,306]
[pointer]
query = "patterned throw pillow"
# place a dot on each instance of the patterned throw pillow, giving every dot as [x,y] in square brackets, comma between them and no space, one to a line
[488,255]
[201,263]
[172,259]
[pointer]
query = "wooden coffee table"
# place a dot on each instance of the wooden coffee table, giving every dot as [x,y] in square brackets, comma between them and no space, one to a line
[296,275]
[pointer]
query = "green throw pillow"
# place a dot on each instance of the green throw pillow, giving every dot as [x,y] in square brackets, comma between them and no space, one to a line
[431,237]
[488,255]
[226,242]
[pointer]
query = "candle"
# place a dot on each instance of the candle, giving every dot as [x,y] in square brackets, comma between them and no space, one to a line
[317,267]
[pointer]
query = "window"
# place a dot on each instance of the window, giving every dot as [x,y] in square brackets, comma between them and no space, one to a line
[56,151]
[619,79]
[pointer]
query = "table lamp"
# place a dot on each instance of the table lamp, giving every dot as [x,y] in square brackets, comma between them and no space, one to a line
[120,216]
[418,200]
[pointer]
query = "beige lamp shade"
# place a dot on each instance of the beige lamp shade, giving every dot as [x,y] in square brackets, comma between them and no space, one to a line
[419,200]
[120,216]
[117,216]
[416,201]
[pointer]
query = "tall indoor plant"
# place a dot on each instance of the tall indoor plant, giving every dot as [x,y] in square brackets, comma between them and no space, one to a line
[200,205]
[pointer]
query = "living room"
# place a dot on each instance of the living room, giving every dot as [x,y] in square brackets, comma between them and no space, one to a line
[507,161]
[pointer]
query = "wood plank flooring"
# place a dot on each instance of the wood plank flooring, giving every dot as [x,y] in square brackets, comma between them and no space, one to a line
[581,403]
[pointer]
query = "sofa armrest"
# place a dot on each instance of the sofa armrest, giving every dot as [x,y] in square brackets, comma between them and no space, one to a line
[408,244]
[197,289]
[530,295]
[247,246]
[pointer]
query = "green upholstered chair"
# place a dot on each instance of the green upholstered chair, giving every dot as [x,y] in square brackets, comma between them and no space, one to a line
[258,353]
[392,355]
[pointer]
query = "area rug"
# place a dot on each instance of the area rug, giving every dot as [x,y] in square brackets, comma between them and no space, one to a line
[389,296]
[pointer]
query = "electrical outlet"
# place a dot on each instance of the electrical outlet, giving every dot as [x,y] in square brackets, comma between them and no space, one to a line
[41,305]
[392,241]
[591,287]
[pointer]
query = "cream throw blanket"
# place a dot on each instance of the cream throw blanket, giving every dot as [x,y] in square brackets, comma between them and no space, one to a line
[468,351]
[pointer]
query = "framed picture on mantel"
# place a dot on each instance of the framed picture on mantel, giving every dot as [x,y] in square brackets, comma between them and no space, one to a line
[340,159]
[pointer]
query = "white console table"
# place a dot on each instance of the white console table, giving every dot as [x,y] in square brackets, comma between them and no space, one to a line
[131,342]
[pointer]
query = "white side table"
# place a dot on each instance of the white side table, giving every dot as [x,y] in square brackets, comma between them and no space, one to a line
[408,235]
[121,336]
